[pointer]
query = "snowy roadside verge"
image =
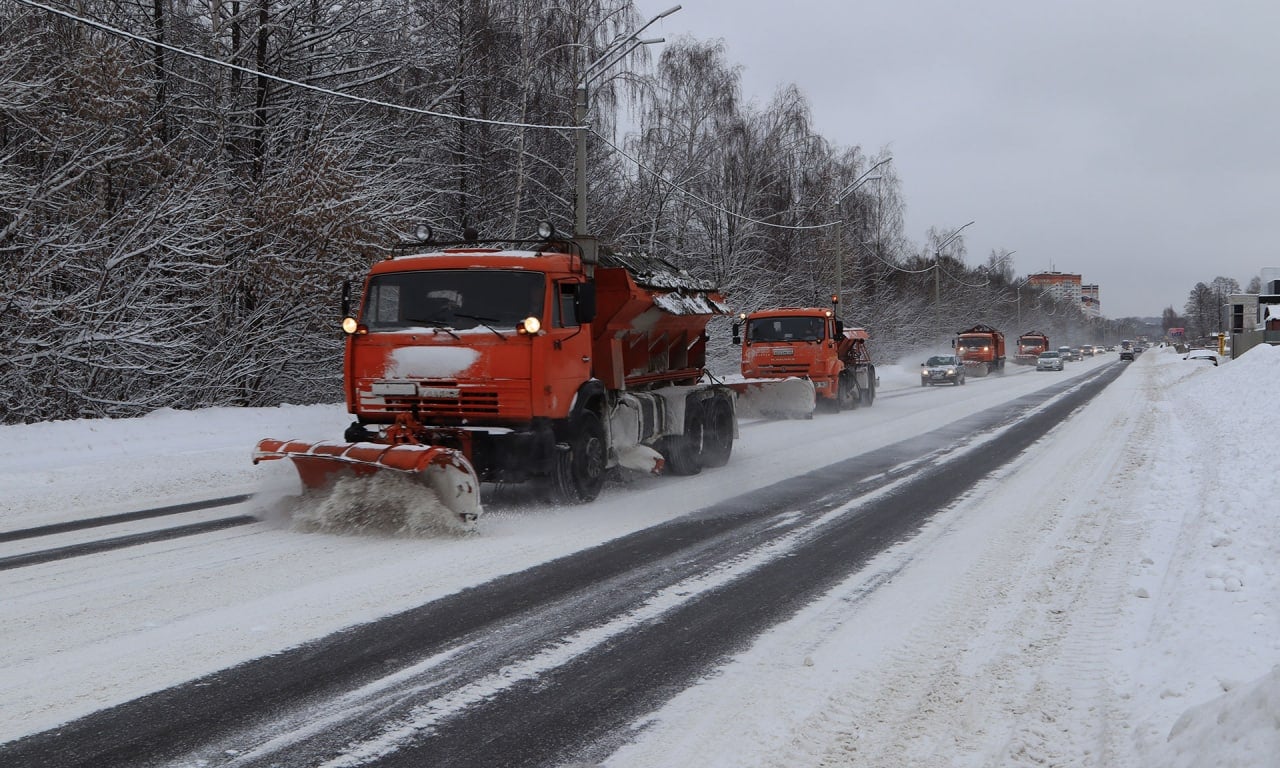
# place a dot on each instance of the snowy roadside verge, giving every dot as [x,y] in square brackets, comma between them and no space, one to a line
[1029,625]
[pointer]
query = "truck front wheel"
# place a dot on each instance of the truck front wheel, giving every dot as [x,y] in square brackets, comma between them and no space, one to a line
[848,396]
[580,471]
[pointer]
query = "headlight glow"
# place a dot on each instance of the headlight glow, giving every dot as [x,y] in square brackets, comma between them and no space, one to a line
[530,325]
[349,325]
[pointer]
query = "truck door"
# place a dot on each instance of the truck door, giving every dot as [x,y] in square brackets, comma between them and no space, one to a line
[568,362]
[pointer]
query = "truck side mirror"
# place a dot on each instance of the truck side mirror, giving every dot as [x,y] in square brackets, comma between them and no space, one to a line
[584,302]
[839,329]
[346,298]
[737,336]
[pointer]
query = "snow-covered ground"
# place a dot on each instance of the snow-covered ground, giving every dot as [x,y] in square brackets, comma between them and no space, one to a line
[1111,600]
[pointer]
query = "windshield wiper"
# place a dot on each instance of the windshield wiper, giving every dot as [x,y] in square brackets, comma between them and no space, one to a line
[436,324]
[483,321]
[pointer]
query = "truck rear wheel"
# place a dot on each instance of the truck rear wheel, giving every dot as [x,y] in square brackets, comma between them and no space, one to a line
[580,471]
[684,452]
[681,451]
[717,434]
[869,394]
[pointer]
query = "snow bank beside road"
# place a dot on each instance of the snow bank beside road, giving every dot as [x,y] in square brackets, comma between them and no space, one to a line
[66,470]
[1247,719]
[1217,614]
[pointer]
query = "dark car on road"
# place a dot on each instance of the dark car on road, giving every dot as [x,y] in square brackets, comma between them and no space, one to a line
[941,369]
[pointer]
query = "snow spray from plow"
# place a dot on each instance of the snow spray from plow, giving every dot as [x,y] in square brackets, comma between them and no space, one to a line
[324,465]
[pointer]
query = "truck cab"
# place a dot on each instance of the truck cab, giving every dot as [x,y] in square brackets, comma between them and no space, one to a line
[809,343]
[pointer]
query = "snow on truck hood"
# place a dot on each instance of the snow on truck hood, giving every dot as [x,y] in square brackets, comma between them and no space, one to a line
[429,362]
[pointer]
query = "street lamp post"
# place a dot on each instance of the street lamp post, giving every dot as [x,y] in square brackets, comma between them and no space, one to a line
[937,277]
[866,176]
[615,52]
[1017,287]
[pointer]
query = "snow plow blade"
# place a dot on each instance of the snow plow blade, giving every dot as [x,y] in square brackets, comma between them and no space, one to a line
[444,470]
[793,398]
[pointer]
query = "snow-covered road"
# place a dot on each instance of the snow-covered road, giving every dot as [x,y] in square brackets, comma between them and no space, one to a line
[1049,615]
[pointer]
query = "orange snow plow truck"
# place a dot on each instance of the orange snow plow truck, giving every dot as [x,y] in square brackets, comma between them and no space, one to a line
[1030,345]
[981,348]
[467,365]
[805,343]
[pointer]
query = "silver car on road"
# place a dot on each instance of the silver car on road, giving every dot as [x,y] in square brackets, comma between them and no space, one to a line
[1049,361]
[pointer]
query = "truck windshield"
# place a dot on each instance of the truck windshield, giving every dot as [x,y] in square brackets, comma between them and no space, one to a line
[453,298]
[785,329]
[975,343]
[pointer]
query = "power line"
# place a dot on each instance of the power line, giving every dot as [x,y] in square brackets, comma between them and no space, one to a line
[958,280]
[286,81]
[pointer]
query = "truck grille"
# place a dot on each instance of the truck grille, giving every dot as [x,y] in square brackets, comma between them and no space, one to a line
[782,369]
[472,403]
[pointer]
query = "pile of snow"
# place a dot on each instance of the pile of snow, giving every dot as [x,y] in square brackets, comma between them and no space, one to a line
[1230,626]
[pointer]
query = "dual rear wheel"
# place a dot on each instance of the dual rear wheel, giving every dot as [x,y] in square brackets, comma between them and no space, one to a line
[582,458]
[707,440]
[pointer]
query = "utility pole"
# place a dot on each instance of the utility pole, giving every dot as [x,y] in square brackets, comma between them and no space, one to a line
[866,176]
[615,52]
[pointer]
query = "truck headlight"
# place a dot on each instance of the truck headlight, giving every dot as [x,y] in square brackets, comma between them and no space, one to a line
[530,325]
[349,325]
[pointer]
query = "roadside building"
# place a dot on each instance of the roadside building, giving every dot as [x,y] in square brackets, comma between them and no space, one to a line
[1090,302]
[1255,317]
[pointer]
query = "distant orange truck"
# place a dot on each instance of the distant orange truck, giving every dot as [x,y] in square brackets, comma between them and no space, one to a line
[982,350]
[809,343]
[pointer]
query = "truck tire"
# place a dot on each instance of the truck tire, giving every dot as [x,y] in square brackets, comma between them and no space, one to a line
[869,394]
[847,395]
[717,435]
[580,471]
[683,453]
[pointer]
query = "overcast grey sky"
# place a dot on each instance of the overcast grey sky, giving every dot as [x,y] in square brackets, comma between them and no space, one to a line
[1132,141]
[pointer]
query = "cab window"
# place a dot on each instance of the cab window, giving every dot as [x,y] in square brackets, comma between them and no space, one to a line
[566,315]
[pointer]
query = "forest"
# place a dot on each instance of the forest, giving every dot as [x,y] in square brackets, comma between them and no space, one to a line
[186,184]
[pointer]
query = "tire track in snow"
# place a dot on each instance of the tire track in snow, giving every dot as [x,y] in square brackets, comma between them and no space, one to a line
[929,712]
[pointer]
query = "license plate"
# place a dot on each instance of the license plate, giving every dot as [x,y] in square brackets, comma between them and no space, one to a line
[394,388]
